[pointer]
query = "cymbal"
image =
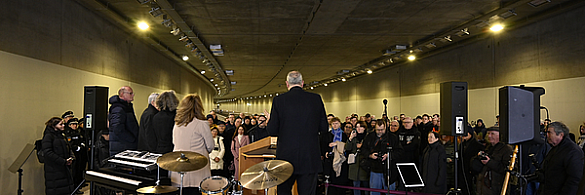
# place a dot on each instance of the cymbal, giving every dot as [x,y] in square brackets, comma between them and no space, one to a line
[266,174]
[182,161]
[157,189]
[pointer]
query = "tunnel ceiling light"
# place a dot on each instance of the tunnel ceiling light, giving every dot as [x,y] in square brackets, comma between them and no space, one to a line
[537,3]
[497,27]
[343,79]
[184,38]
[462,32]
[185,57]
[189,44]
[167,22]
[143,1]
[194,49]
[216,85]
[176,31]
[155,12]
[203,72]
[448,38]
[369,71]
[431,45]
[325,84]
[143,25]
[312,88]
[211,80]
[411,57]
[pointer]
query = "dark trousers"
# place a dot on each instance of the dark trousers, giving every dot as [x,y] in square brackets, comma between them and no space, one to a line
[306,184]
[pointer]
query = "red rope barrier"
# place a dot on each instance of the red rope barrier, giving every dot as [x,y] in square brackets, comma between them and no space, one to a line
[375,190]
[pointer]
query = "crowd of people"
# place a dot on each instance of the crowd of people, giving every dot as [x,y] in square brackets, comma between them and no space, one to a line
[357,151]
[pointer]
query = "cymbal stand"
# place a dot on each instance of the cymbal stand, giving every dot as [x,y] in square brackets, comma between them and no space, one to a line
[182,175]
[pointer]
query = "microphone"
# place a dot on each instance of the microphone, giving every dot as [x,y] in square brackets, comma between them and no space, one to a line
[385,101]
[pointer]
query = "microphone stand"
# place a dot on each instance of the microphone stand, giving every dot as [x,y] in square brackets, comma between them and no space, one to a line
[388,160]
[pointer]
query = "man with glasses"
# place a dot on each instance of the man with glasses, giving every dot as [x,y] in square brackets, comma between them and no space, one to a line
[410,140]
[259,131]
[123,125]
[376,146]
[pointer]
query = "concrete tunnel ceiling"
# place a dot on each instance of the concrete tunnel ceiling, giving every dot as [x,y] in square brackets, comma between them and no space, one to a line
[261,40]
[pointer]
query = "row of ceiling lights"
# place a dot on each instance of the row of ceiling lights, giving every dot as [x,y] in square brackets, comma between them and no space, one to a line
[346,74]
[156,11]
[397,54]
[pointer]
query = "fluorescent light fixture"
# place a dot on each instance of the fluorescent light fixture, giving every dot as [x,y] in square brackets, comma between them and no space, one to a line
[430,45]
[233,82]
[167,22]
[143,1]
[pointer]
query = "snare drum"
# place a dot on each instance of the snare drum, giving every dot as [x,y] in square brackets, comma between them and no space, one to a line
[215,185]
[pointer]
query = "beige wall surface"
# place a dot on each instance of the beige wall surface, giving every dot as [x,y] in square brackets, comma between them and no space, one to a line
[34,91]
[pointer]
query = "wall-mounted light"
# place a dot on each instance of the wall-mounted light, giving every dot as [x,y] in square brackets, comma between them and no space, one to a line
[203,72]
[343,79]
[369,71]
[312,88]
[185,57]
[325,84]
[212,80]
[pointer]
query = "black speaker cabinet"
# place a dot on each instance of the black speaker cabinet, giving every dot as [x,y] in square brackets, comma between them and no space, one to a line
[95,111]
[520,114]
[454,108]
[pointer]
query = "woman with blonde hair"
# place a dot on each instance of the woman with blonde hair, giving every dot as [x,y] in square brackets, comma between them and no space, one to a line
[191,133]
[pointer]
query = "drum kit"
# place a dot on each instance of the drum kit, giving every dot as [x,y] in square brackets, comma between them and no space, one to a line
[261,176]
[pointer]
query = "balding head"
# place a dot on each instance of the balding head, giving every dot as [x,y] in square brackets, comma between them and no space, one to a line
[126,93]
[293,79]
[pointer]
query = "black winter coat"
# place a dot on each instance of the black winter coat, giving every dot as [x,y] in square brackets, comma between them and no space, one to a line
[297,117]
[500,156]
[411,150]
[146,136]
[163,123]
[389,139]
[562,169]
[123,126]
[434,169]
[58,178]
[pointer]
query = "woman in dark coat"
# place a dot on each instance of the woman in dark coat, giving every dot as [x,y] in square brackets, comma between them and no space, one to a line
[58,158]
[164,121]
[434,166]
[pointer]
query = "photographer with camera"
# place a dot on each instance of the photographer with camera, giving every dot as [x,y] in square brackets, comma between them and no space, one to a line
[377,146]
[492,163]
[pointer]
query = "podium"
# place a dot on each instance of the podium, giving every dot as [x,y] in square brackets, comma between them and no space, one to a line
[255,153]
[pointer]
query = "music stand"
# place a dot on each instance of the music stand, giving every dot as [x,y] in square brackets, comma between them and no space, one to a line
[17,164]
[409,175]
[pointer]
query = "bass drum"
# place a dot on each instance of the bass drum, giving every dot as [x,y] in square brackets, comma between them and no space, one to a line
[215,185]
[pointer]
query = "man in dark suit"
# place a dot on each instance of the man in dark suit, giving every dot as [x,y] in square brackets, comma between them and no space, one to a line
[296,118]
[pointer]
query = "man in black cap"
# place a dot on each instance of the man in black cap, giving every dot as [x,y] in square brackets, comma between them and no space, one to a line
[495,163]
[67,116]
[77,143]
